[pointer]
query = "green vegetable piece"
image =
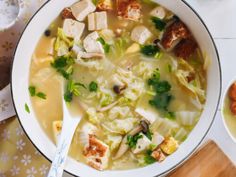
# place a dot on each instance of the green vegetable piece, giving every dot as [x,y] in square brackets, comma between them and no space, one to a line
[159,24]
[170,115]
[155,77]
[106,46]
[60,62]
[161,101]
[27,108]
[149,134]
[149,50]
[162,86]
[148,158]
[72,89]
[32,90]
[93,86]
[132,140]
[41,95]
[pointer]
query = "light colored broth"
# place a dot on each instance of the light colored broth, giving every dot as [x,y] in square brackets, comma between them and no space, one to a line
[47,80]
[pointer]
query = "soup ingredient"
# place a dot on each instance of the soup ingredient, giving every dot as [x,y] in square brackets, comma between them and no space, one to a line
[233,107]
[97,21]
[118,89]
[232,92]
[64,66]
[73,28]
[150,50]
[157,139]
[130,9]
[27,108]
[106,5]
[159,24]
[174,32]
[185,48]
[93,86]
[81,9]
[47,33]
[133,48]
[72,89]
[161,101]
[106,46]
[97,153]
[91,43]
[57,127]
[158,155]
[169,145]
[140,34]
[32,90]
[187,118]
[132,140]
[148,159]
[67,13]
[142,144]
[158,12]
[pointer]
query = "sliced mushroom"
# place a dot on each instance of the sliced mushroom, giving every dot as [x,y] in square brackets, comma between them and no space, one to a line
[86,55]
[124,146]
[118,89]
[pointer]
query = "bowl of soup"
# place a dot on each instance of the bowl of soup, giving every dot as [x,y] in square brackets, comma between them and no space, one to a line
[146,74]
[228,110]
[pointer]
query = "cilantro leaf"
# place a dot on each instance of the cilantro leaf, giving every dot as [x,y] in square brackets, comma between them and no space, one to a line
[149,50]
[72,89]
[159,24]
[41,95]
[27,108]
[32,90]
[148,158]
[106,46]
[93,86]
[161,101]
[162,86]
[132,140]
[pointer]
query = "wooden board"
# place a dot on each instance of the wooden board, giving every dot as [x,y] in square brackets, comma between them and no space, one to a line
[209,161]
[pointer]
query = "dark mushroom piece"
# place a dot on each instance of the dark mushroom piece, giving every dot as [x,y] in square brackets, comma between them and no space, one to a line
[119,89]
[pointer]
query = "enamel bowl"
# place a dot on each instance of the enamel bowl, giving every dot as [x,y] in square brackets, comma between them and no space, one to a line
[20,77]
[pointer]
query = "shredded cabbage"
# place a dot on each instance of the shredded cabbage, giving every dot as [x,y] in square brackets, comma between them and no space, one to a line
[181,134]
[93,116]
[119,112]
[187,118]
[144,69]
[113,141]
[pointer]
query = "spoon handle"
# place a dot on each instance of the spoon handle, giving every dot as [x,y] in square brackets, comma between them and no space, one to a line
[68,129]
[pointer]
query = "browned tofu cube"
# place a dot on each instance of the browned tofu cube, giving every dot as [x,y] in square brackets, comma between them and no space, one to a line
[158,155]
[185,48]
[129,9]
[174,32]
[105,5]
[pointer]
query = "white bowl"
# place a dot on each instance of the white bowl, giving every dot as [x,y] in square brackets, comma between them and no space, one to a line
[225,96]
[20,77]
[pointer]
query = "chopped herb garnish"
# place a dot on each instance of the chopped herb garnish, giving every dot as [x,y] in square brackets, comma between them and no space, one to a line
[150,50]
[72,89]
[132,140]
[41,95]
[170,115]
[93,86]
[149,134]
[106,46]
[32,90]
[27,108]
[162,86]
[64,66]
[161,101]
[148,158]
[159,24]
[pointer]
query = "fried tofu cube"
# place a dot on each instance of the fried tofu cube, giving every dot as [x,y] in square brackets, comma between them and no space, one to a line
[67,13]
[142,144]
[105,5]
[81,9]
[158,12]
[129,9]
[73,28]
[97,153]
[97,21]
[91,43]
[174,32]
[140,34]
[158,155]
[169,145]
[185,48]
[57,127]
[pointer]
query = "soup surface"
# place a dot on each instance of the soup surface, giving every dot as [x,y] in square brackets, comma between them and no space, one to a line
[133,68]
